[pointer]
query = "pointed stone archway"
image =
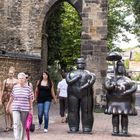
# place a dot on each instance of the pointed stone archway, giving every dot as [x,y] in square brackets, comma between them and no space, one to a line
[94,35]
[77,4]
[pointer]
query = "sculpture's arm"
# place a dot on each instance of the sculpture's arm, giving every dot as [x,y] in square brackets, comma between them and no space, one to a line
[71,81]
[109,84]
[90,81]
[93,79]
[131,90]
[85,85]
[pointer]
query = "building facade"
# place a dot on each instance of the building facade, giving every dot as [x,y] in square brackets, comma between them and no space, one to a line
[22,32]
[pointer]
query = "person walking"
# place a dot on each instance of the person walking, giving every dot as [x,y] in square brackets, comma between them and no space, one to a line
[7,87]
[44,93]
[21,100]
[62,95]
[28,77]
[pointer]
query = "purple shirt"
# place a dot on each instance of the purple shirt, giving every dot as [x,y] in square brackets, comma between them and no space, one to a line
[21,97]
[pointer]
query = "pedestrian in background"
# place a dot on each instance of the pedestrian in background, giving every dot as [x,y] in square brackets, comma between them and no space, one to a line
[28,77]
[62,95]
[5,96]
[21,100]
[44,93]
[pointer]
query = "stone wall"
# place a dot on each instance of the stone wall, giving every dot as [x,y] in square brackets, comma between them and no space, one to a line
[21,64]
[93,46]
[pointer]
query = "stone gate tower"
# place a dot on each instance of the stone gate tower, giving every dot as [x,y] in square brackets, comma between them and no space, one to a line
[22,31]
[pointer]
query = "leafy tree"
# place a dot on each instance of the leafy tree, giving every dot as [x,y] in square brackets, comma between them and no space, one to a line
[137,56]
[117,23]
[64,40]
[71,36]
[53,28]
[136,10]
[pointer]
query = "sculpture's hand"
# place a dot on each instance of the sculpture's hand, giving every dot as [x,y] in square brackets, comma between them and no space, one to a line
[92,80]
[112,84]
[71,79]
[87,84]
[131,90]
[79,76]
[121,87]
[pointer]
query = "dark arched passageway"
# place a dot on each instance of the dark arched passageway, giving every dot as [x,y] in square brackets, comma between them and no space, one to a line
[61,40]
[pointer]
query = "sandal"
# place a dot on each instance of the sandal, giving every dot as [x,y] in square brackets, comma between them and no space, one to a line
[6,130]
[11,128]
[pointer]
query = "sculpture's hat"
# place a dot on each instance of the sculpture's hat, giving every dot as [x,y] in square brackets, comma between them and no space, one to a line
[114,56]
[80,61]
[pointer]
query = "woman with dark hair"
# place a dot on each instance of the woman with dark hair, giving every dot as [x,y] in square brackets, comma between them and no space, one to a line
[44,93]
[62,94]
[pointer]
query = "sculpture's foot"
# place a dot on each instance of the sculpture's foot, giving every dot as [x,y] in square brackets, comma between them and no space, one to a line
[87,130]
[73,130]
[124,132]
[115,131]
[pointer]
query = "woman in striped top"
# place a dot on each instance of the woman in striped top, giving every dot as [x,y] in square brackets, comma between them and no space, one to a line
[21,99]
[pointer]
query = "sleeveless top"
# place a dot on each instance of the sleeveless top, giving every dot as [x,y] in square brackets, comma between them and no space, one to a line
[44,94]
[7,91]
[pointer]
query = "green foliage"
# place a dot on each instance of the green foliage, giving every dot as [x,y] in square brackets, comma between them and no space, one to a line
[136,77]
[137,56]
[99,110]
[54,74]
[53,28]
[136,10]
[71,35]
[126,63]
[117,12]
[64,30]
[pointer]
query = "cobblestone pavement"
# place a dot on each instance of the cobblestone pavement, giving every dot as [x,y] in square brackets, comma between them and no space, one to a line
[102,128]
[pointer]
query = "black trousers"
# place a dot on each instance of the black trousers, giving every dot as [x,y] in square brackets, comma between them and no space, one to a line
[63,106]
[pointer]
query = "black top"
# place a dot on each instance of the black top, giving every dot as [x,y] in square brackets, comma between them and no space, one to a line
[44,94]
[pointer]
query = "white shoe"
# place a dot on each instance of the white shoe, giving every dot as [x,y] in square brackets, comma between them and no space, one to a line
[45,130]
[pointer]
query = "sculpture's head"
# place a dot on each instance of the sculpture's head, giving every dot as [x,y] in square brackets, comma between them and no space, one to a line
[120,69]
[81,63]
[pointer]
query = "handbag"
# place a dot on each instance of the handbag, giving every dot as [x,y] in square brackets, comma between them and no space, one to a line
[29,121]
[32,127]
[29,126]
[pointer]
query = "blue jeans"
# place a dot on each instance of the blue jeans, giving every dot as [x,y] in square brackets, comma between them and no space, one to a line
[43,109]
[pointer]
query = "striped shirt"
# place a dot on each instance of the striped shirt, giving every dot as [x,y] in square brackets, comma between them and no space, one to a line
[21,97]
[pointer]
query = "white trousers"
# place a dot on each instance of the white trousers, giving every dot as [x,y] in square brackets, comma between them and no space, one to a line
[19,120]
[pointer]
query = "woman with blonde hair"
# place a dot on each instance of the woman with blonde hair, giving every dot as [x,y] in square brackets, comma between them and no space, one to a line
[7,87]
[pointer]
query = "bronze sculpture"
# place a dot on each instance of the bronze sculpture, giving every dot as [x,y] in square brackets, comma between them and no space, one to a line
[80,96]
[120,95]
